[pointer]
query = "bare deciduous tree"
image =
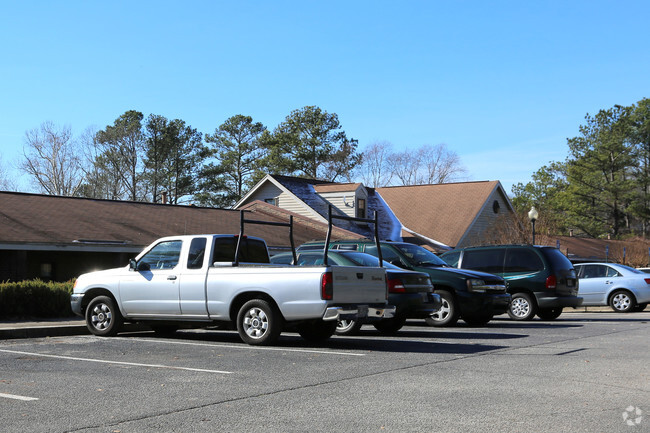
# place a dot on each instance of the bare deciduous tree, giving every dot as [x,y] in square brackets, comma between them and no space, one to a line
[375,169]
[439,164]
[51,159]
[6,183]
[425,165]
[405,167]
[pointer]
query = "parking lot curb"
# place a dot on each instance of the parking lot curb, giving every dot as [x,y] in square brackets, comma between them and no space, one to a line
[43,331]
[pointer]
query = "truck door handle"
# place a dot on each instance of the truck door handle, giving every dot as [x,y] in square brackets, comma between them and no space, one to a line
[171,277]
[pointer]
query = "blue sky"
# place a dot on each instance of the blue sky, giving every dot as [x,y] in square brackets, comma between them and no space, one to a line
[502,83]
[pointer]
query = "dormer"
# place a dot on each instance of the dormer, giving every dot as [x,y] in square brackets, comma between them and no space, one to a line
[349,198]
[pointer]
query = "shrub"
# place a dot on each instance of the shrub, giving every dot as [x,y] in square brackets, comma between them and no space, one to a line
[34,299]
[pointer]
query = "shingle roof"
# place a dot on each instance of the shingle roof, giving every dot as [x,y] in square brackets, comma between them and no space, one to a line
[582,249]
[304,189]
[308,226]
[43,219]
[442,212]
[337,187]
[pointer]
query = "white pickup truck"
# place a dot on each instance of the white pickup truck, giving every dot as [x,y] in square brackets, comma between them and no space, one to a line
[207,280]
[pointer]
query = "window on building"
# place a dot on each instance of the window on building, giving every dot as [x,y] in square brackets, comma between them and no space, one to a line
[273,201]
[361,208]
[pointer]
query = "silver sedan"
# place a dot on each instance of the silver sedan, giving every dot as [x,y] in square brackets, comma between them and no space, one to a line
[623,288]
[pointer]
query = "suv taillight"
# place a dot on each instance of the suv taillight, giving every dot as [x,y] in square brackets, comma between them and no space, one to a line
[326,286]
[395,285]
[551,282]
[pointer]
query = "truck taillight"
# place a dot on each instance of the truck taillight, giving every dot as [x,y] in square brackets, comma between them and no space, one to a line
[551,282]
[327,286]
[395,285]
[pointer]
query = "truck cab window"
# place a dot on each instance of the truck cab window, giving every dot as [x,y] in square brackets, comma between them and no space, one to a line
[197,253]
[251,250]
[165,255]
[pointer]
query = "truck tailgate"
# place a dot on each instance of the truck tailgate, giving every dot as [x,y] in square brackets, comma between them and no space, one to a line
[357,284]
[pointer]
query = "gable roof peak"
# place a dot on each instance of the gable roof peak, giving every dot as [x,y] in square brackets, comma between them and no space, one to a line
[465,183]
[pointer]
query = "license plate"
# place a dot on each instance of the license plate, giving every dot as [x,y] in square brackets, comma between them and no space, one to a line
[570,283]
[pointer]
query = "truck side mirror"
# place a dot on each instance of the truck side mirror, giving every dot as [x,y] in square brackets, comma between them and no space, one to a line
[142,266]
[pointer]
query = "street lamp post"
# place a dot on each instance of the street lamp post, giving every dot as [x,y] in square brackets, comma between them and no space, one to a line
[532,216]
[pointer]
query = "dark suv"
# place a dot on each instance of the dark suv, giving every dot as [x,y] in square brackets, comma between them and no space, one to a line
[473,296]
[540,279]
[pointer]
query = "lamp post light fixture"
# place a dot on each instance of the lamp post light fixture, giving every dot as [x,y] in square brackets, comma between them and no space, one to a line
[532,216]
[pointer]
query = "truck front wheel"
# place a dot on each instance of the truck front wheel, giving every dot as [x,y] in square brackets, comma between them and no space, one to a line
[103,318]
[259,322]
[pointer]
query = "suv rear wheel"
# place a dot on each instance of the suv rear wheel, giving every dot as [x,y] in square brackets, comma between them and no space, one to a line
[448,313]
[348,327]
[522,307]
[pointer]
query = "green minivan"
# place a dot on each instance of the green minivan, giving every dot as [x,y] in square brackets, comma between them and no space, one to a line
[472,296]
[540,279]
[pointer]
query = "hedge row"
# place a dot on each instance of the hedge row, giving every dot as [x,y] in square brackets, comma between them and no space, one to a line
[35,299]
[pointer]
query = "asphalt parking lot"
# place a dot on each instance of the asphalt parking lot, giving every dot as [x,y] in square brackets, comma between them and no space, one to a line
[583,372]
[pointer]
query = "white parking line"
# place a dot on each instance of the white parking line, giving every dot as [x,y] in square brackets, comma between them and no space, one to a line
[245,346]
[17,397]
[103,361]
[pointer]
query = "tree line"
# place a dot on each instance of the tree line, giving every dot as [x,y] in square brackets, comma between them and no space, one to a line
[154,158]
[602,189]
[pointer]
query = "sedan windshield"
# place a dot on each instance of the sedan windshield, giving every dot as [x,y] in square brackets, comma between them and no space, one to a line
[419,256]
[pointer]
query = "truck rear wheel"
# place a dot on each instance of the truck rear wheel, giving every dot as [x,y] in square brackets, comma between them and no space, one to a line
[259,322]
[103,318]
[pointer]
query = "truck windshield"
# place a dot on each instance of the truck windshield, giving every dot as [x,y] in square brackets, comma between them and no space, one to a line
[419,256]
